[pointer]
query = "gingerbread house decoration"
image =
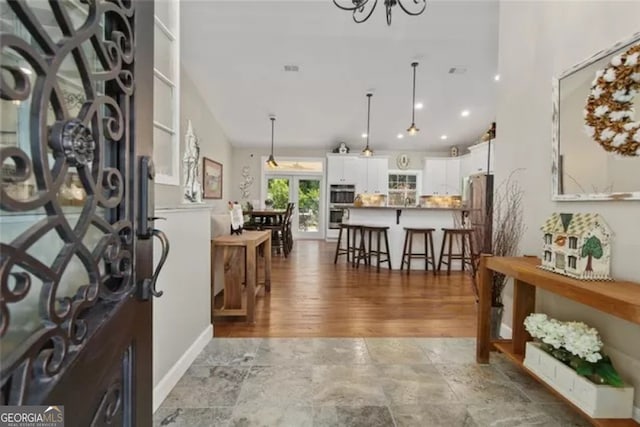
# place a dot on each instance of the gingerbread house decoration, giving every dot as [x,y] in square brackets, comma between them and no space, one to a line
[577,245]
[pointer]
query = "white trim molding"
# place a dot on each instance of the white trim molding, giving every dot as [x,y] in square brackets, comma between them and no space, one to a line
[169,381]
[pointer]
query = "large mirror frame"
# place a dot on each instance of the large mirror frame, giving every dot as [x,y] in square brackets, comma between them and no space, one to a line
[557,157]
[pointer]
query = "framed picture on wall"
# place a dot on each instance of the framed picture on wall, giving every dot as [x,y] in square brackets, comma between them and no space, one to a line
[211,179]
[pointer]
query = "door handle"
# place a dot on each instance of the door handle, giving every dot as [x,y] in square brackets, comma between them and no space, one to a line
[148,286]
[146,229]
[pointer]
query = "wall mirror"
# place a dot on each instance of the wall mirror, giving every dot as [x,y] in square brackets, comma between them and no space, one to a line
[596,126]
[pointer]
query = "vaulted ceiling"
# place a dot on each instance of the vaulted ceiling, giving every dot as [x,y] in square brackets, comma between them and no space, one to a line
[236,52]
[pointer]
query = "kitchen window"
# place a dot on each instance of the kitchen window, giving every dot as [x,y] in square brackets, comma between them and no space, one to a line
[403,188]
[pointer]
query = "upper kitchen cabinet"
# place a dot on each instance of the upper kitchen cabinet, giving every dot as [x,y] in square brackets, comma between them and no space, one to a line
[480,156]
[373,175]
[441,176]
[343,169]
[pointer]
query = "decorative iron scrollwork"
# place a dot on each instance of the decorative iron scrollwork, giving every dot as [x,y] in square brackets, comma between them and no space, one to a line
[74,140]
[94,144]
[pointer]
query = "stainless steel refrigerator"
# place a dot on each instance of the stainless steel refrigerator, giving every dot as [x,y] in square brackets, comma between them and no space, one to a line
[477,197]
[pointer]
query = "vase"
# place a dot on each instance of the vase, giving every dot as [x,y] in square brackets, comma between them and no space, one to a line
[595,400]
[496,321]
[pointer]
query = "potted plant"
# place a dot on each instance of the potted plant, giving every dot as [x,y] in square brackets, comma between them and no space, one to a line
[506,216]
[569,357]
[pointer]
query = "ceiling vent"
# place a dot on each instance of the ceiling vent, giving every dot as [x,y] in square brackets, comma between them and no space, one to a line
[457,70]
[292,68]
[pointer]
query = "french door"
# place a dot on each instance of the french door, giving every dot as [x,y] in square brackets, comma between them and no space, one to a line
[75,249]
[306,192]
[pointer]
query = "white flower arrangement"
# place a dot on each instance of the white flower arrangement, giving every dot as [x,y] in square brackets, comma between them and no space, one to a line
[576,344]
[608,112]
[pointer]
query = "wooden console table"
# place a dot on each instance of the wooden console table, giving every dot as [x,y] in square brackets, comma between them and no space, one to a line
[620,299]
[239,258]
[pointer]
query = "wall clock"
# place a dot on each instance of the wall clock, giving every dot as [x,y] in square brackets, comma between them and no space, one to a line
[402,161]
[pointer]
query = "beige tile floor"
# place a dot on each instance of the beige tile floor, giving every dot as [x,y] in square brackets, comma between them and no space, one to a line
[352,382]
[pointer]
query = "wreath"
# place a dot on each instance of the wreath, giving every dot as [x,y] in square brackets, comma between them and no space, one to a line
[609,110]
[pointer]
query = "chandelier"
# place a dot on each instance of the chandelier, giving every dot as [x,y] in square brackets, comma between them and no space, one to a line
[362,9]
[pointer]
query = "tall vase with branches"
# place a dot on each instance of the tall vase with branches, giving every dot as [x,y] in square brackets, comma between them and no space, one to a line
[506,214]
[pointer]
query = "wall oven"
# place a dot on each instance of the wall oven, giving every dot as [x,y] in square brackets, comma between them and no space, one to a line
[341,197]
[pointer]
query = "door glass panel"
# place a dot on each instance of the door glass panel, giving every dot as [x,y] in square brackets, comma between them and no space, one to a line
[163,154]
[163,112]
[308,205]
[163,55]
[164,10]
[65,231]
[277,193]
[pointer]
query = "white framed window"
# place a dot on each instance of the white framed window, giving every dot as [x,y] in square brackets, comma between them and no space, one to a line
[404,188]
[166,92]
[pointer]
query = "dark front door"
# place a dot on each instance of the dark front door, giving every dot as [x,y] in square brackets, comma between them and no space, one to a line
[76,96]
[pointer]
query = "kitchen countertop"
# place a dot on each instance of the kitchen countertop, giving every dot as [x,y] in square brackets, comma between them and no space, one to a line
[435,208]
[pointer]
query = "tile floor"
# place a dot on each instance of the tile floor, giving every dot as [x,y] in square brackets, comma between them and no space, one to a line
[352,382]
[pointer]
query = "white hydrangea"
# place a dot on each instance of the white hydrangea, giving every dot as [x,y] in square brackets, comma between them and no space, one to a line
[635,77]
[636,136]
[631,125]
[607,134]
[610,75]
[619,139]
[576,337]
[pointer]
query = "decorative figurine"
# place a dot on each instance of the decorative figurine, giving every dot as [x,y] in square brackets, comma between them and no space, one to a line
[577,245]
[191,165]
[454,151]
[341,149]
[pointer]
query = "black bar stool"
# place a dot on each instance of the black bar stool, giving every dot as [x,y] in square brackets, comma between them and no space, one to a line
[465,241]
[366,252]
[350,249]
[407,251]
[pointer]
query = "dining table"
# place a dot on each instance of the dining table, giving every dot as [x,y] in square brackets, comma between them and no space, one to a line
[265,216]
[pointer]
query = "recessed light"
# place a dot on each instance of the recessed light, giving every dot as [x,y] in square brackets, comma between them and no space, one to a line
[496,77]
[364,135]
[400,136]
[419,105]
[26,70]
[465,113]
[443,137]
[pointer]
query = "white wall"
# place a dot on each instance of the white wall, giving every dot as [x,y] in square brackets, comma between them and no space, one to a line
[214,145]
[182,316]
[537,41]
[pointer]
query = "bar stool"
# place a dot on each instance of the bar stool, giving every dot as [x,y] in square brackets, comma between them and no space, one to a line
[465,242]
[350,248]
[407,251]
[366,252]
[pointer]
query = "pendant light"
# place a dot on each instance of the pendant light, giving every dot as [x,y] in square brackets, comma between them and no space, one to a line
[368,152]
[271,162]
[412,130]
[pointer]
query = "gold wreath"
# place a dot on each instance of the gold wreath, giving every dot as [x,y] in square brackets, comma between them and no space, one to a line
[605,116]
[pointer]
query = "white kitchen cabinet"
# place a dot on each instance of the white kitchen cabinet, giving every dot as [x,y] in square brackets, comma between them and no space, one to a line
[479,154]
[441,176]
[373,175]
[343,169]
[465,165]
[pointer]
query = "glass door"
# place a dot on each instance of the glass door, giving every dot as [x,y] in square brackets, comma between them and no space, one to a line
[306,193]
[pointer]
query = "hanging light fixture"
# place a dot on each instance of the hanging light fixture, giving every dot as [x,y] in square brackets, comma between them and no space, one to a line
[362,9]
[368,151]
[271,162]
[413,129]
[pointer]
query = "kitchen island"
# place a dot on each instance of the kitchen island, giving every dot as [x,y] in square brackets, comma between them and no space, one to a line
[398,217]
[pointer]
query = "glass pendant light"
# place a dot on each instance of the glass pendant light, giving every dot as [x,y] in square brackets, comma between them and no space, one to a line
[271,161]
[368,152]
[412,130]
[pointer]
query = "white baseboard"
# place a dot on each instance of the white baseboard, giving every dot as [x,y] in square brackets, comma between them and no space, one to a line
[636,414]
[166,384]
[505,331]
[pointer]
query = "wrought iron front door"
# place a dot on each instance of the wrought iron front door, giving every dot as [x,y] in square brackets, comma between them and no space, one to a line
[76,103]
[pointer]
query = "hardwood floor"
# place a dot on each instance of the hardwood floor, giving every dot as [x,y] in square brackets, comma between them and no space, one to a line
[312,297]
